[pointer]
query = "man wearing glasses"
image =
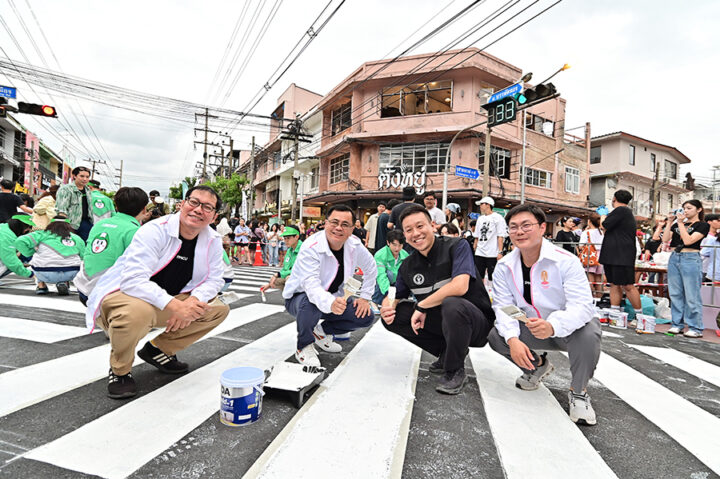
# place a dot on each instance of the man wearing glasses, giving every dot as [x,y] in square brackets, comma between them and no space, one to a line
[548,285]
[314,290]
[167,278]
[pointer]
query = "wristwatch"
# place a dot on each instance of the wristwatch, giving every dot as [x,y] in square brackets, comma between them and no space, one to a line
[420,309]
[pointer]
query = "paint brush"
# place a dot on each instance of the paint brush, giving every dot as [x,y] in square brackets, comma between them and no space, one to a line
[351,287]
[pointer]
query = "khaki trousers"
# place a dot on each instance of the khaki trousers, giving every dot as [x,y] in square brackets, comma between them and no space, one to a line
[127,320]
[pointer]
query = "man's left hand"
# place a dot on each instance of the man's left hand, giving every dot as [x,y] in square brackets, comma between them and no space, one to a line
[540,328]
[499,256]
[362,307]
[175,323]
[417,321]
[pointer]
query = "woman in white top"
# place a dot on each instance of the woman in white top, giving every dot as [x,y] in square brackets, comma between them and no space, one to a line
[273,244]
[223,228]
[594,235]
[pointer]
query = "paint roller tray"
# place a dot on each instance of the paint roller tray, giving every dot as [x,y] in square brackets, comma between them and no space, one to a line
[294,379]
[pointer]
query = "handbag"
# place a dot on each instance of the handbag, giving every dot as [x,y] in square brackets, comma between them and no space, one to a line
[588,254]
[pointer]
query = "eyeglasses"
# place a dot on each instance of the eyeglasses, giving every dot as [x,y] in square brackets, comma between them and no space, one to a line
[336,223]
[525,227]
[194,203]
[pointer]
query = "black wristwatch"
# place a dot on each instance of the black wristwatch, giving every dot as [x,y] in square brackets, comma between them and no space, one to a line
[419,308]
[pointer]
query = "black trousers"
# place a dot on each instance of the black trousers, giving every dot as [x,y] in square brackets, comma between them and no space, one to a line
[485,264]
[450,329]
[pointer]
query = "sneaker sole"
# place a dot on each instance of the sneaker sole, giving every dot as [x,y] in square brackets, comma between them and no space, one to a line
[452,392]
[304,363]
[545,374]
[584,422]
[126,395]
[160,368]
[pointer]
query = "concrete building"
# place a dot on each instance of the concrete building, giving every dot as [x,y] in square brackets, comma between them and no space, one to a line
[623,161]
[389,124]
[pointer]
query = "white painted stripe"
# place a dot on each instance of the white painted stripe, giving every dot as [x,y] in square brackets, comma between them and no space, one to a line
[71,304]
[528,424]
[38,331]
[692,427]
[690,364]
[360,415]
[128,425]
[31,287]
[608,334]
[245,282]
[74,370]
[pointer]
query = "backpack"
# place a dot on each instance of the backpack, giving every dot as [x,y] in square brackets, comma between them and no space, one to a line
[588,254]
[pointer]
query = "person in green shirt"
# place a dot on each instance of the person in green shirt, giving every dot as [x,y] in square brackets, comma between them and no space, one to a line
[388,260]
[102,206]
[18,225]
[291,236]
[110,237]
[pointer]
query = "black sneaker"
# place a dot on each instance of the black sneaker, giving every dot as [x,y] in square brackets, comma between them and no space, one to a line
[436,367]
[166,364]
[121,387]
[63,288]
[452,382]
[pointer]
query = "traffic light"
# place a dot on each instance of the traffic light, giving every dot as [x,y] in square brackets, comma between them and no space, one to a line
[536,94]
[501,111]
[34,109]
[3,102]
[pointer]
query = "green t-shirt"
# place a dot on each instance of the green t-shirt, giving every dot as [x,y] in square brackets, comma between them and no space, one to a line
[107,241]
[101,206]
[290,257]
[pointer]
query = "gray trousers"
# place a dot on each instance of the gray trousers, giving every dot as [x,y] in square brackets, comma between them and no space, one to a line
[582,346]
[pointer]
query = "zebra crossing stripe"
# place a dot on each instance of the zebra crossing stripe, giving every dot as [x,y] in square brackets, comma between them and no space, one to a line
[253,289]
[690,364]
[176,409]
[531,424]
[692,427]
[38,331]
[363,429]
[74,370]
[69,305]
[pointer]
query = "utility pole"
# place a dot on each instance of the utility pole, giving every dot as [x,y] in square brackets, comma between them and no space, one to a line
[252,174]
[486,165]
[294,132]
[205,143]
[92,172]
[522,166]
[715,168]
[654,193]
[119,176]
[293,195]
[231,160]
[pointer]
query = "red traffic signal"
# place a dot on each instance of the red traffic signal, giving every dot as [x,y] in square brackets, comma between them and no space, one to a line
[34,109]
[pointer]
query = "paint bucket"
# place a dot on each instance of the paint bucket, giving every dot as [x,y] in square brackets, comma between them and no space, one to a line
[242,391]
[603,315]
[645,324]
[618,320]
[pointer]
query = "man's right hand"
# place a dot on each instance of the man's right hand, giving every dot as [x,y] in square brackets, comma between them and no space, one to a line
[387,313]
[175,323]
[338,306]
[188,309]
[521,354]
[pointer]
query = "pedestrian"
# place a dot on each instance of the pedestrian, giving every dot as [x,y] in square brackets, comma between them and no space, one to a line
[301,228]
[452,310]
[259,233]
[619,252]
[273,241]
[18,225]
[44,210]
[388,261]
[167,278]
[408,197]
[234,221]
[224,230]
[74,201]
[382,226]
[56,254]
[566,237]
[372,225]
[707,259]
[449,229]
[452,210]
[109,238]
[291,234]
[102,205]
[437,215]
[591,245]
[157,201]
[360,231]
[242,242]
[10,202]
[490,232]
[685,230]
[549,289]
[314,291]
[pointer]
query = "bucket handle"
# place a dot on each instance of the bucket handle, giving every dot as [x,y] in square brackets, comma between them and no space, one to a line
[259,389]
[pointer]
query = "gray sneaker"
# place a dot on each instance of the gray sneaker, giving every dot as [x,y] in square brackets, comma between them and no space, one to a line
[581,411]
[452,382]
[531,381]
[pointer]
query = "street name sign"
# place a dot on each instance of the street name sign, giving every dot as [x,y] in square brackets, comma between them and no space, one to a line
[511,90]
[465,172]
[8,92]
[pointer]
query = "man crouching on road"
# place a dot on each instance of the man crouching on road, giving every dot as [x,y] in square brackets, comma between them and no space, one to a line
[452,311]
[549,285]
[167,276]
[314,289]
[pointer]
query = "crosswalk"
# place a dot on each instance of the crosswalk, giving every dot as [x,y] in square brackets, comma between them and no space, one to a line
[375,415]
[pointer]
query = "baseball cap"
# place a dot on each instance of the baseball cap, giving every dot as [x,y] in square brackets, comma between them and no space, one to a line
[290,231]
[487,200]
[454,207]
[27,219]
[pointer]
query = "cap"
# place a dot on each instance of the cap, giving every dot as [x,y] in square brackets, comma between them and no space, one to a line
[487,200]
[454,207]
[289,231]
[25,219]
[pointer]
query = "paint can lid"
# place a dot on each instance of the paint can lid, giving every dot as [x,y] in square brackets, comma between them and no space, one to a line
[242,377]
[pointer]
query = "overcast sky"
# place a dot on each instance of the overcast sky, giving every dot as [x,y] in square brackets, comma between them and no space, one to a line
[634,64]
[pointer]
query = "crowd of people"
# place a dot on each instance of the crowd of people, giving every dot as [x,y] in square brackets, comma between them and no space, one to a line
[427,275]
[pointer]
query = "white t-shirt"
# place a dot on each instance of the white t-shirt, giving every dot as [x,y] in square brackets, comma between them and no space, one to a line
[487,230]
[437,215]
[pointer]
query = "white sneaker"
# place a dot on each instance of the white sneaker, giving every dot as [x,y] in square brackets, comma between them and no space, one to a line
[675,330]
[307,356]
[325,341]
[692,334]
[581,411]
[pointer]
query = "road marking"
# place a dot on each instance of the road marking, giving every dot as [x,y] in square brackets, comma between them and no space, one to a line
[531,424]
[38,331]
[196,396]
[690,364]
[71,305]
[74,370]
[692,427]
[251,283]
[363,429]
[608,334]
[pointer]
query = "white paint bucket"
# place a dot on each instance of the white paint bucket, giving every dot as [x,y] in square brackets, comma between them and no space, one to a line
[242,391]
[618,320]
[645,324]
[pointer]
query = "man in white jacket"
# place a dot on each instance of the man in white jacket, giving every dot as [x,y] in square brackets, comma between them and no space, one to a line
[314,290]
[549,285]
[166,278]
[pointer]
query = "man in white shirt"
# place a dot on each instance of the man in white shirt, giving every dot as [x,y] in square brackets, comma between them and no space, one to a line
[371,227]
[490,232]
[436,214]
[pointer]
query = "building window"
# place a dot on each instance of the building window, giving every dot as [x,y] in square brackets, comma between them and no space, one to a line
[670,201]
[418,99]
[572,180]
[499,161]
[2,137]
[595,154]
[538,178]
[413,157]
[537,123]
[652,162]
[315,178]
[341,118]
[631,159]
[276,160]
[340,168]
[671,169]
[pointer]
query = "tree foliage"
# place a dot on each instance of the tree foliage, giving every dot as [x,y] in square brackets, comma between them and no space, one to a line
[176,190]
[230,189]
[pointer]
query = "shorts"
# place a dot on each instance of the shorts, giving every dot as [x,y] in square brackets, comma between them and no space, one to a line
[619,275]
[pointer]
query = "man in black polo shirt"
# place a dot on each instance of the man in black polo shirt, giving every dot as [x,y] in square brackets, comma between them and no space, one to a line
[452,311]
